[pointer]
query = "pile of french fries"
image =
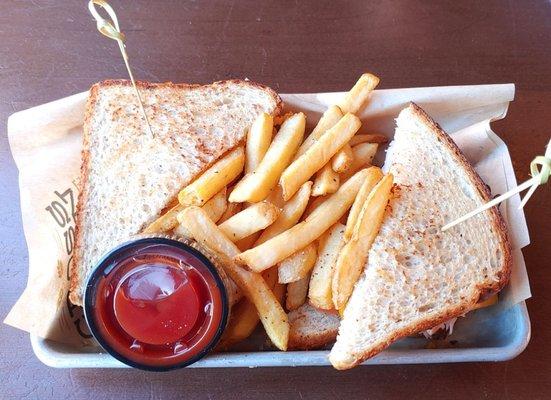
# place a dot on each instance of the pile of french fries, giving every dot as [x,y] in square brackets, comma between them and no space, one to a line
[290,218]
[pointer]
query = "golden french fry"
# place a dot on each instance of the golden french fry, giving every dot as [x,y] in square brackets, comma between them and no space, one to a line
[197,222]
[368,138]
[231,210]
[234,293]
[358,95]
[244,317]
[258,141]
[272,315]
[343,159]
[297,265]
[216,206]
[214,179]
[244,320]
[365,152]
[296,293]
[363,156]
[320,293]
[327,181]
[374,176]
[290,214]
[318,155]
[328,120]
[353,255]
[166,221]
[252,219]
[257,185]
[301,235]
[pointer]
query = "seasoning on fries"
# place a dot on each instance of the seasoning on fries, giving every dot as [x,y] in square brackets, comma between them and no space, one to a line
[290,214]
[328,120]
[318,155]
[342,161]
[374,176]
[353,255]
[252,219]
[326,182]
[214,179]
[363,156]
[299,236]
[296,293]
[257,185]
[297,265]
[272,315]
[320,293]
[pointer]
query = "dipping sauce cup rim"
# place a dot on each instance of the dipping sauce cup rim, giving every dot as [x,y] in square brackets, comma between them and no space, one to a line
[109,261]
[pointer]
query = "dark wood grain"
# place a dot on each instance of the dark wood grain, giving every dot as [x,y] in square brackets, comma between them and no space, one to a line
[50,49]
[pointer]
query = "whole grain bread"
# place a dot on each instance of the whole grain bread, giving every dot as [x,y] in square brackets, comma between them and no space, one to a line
[417,276]
[128,177]
[312,328]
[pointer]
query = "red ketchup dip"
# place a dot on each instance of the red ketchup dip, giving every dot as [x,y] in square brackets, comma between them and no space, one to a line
[156,304]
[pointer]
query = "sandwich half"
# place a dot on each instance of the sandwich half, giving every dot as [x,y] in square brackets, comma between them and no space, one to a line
[417,276]
[128,176]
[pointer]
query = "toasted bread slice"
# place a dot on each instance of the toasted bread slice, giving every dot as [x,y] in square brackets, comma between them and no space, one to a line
[128,177]
[312,328]
[417,276]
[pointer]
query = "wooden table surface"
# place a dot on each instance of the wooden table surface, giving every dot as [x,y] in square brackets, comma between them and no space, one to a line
[50,49]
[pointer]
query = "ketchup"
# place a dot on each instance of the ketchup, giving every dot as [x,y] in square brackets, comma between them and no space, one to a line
[165,298]
[156,303]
